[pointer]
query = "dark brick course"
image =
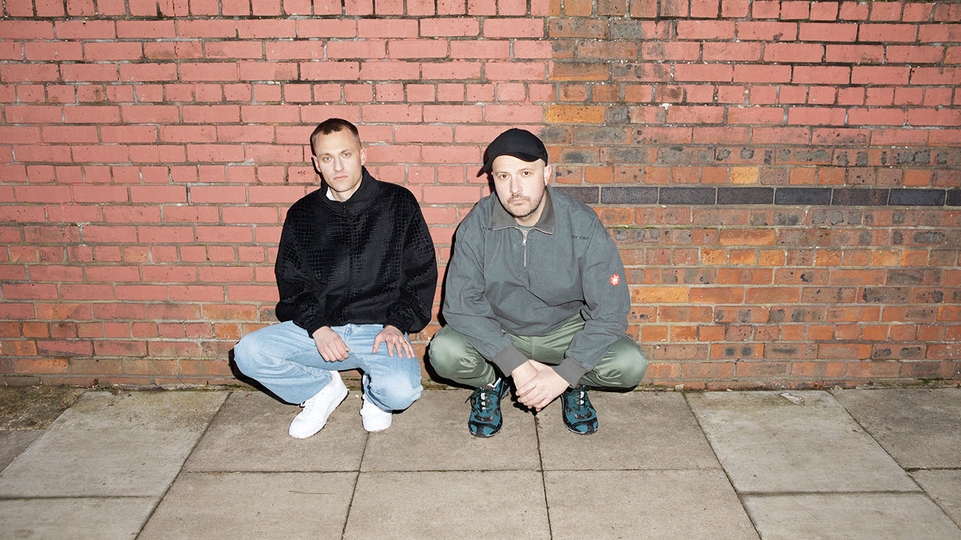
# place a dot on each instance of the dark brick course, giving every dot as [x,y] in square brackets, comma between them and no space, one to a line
[688,195]
[917,197]
[752,195]
[803,196]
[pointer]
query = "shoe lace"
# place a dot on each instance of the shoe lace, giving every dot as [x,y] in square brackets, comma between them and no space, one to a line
[579,401]
[481,398]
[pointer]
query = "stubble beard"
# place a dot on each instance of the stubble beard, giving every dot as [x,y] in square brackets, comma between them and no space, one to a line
[533,209]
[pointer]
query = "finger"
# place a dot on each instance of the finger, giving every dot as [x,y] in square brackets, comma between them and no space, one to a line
[339,350]
[529,398]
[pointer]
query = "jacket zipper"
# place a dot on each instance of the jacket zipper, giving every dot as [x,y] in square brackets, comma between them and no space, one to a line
[524,243]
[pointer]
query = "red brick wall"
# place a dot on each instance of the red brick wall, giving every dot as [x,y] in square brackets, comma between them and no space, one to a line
[782,177]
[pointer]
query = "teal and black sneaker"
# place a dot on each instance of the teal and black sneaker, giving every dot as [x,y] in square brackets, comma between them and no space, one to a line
[579,415]
[485,410]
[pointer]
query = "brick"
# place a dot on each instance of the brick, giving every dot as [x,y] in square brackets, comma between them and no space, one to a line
[911,54]
[880,75]
[266,28]
[731,52]
[766,31]
[146,29]
[887,33]
[746,73]
[209,71]
[705,30]
[29,73]
[575,114]
[705,72]
[828,32]
[52,51]
[793,53]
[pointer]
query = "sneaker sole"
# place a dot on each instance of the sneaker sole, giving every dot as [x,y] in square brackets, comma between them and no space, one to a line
[574,431]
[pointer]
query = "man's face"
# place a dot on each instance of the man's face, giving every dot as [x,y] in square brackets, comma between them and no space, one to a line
[338,157]
[520,187]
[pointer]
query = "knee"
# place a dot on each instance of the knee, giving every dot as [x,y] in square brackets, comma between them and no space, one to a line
[244,355]
[441,353]
[628,366]
[251,355]
[633,371]
[397,396]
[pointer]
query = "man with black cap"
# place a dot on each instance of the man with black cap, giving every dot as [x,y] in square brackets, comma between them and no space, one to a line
[535,292]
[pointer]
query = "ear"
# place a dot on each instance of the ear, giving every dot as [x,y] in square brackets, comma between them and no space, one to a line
[548,175]
[313,159]
[363,155]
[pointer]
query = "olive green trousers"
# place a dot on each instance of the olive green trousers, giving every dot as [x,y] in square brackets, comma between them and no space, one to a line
[455,359]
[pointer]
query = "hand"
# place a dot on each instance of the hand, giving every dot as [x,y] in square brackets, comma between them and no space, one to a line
[538,384]
[330,345]
[395,341]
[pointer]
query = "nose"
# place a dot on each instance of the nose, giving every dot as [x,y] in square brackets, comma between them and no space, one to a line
[338,164]
[515,186]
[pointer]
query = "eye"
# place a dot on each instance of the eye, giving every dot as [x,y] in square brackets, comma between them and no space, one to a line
[347,154]
[325,159]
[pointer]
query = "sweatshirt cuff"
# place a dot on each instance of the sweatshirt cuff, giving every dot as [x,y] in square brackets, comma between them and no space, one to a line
[508,360]
[570,371]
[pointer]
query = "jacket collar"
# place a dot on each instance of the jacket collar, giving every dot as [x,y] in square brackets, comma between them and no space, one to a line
[360,199]
[500,219]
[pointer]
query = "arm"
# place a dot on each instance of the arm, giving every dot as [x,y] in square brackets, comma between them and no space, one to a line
[299,288]
[466,307]
[296,283]
[607,305]
[412,310]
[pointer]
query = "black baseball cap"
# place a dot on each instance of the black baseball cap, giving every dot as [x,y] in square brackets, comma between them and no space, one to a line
[519,143]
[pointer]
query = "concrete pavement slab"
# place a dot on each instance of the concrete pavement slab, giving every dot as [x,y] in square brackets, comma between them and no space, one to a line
[945,488]
[127,444]
[70,519]
[850,516]
[919,427]
[770,444]
[653,505]
[636,430]
[228,506]
[250,434]
[432,436]
[13,443]
[452,505]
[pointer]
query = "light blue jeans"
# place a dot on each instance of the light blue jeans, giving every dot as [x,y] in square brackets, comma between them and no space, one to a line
[283,357]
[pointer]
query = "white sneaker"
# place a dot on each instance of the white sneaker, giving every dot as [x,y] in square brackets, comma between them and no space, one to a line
[318,408]
[374,418]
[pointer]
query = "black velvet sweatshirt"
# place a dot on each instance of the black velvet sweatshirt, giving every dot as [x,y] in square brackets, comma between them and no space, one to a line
[369,260]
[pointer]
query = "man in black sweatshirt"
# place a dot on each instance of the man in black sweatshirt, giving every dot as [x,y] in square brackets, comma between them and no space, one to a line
[357,272]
